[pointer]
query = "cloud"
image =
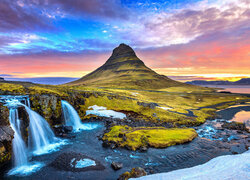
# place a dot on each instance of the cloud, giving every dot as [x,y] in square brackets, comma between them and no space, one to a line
[96,8]
[185,25]
[14,15]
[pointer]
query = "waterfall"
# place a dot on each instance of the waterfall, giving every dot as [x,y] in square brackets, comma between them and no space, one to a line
[40,133]
[70,115]
[18,145]
[72,118]
[41,138]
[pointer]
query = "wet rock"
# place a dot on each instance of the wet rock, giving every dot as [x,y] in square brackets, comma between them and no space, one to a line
[234,126]
[143,149]
[237,149]
[105,144]
[116,165]
[134,173]
[68,162]
[6,133]
[112,146]
[68,129]
[4,115]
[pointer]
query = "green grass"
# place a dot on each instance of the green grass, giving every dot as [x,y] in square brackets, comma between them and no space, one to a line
[179,100]
[158,137]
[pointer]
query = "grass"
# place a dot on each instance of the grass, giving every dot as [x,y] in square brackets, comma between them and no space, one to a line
[202,104]
[158,137]
[12,88]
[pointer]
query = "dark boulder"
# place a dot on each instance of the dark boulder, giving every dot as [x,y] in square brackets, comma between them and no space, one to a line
[68,129]
[116,165]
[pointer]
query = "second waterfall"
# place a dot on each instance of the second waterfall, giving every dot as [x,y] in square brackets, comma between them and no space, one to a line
[72,118]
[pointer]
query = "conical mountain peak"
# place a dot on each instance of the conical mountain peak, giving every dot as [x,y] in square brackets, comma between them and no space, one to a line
[125,70]
[123,50]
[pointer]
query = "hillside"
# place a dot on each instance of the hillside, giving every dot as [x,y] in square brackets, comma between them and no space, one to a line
[125,70]
[243,81]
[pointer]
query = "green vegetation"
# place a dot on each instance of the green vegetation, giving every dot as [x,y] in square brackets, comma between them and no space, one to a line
[158,137]
[203,104]
[12,88]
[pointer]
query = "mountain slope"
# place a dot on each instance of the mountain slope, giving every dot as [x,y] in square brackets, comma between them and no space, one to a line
[125,70]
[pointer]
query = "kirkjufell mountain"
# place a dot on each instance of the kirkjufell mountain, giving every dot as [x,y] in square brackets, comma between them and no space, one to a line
[125,70]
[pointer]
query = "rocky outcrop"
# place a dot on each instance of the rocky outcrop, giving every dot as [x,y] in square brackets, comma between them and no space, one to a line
[49,106]
[134,173]
[6,136]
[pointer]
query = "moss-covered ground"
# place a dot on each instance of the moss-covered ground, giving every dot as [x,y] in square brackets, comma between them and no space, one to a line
[158,137]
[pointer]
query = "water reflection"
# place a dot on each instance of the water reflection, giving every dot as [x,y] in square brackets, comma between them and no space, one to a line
[242,116]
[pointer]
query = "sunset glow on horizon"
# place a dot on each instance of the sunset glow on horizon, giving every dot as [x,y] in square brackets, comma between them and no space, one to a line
[185,40]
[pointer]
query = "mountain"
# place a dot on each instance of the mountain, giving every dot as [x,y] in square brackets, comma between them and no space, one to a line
[125,70]
[1,79]
[243,81]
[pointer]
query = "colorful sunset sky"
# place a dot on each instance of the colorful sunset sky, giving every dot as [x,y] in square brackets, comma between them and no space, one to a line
[183,39]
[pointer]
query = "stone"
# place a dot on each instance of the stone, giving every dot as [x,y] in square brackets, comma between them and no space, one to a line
[138,172]
[143,149]
[134,173]
[238,148]
[6,133]
[116,165]
[68,129]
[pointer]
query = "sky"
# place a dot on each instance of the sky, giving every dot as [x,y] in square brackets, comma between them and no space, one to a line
[183,39]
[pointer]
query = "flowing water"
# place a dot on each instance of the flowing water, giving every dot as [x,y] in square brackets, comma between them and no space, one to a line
[18,145]
[72,118]
[40,134]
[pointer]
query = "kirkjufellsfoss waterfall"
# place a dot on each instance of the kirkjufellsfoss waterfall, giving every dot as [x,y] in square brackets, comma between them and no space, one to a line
[72,118]
[41,138]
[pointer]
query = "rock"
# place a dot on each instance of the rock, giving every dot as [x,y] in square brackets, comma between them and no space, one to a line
[134,173]
[2,149]
[105,144]
[6,133]
[237,149]
[68,129]
[109,97]
[150,105]
[234,126]
[154,115]
[143,149]
[112,146]
[116,165]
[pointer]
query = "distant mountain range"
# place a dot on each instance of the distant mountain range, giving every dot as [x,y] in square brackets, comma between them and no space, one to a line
[243,81]
[125,70]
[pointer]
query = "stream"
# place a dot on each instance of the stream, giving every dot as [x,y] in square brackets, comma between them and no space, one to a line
[83,148]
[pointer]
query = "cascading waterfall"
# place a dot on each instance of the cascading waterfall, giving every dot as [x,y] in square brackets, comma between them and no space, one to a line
[18,145]
[72,118]
[40,134]
[41,138]
[70,115]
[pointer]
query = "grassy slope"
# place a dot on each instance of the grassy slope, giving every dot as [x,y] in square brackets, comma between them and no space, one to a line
[129,73]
